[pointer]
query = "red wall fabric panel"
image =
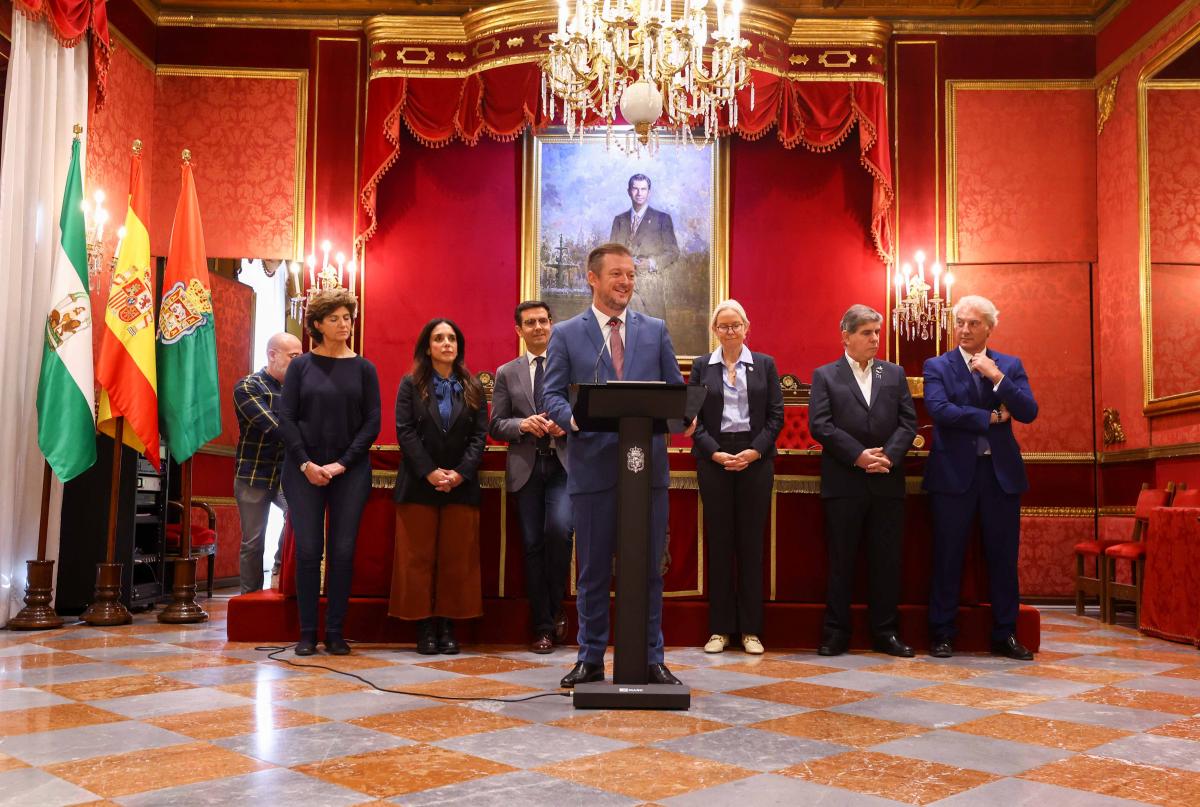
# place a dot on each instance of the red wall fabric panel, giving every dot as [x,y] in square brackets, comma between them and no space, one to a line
[448,245]
[233,310]
[1029,195]
[1175,345]
[242,134]
[1046,565]
[1044,320]
[1174,169]
[800,248]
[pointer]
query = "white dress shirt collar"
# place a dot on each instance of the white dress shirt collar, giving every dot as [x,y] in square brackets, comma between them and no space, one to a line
[746,358]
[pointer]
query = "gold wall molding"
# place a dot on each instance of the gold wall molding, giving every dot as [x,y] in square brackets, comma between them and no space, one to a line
[1150,453]
[216,501]
[1058,512]
[953,87]
[1106,96]
[952,27]
[1115,512]
[835,32]
[1059,457]
[1156,405]
[273,74]
[388,29]
[308,22]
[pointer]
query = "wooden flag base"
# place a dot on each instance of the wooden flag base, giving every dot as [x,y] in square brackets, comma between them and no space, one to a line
[107,608]
[183,608]
[37,613]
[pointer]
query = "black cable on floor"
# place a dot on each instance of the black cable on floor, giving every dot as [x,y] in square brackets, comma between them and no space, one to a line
[274,656]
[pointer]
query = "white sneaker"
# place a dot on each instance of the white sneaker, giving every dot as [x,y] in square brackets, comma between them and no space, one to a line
[752,645]
[716,643]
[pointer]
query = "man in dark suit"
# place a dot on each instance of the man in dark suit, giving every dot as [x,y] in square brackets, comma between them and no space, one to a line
[608,342]
[649,234]
[973,394]
[536,471]
[862,414]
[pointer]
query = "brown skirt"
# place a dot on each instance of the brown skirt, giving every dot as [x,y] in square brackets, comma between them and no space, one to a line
[436,567]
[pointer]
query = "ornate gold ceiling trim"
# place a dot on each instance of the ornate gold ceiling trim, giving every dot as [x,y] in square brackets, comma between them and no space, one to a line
[1109,14]
[306,22]
[869,33]
[769,22]
[1144,41]
[1032,27]
[385,29]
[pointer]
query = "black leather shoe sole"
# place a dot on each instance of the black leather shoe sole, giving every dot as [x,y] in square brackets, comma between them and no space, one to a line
[941,650]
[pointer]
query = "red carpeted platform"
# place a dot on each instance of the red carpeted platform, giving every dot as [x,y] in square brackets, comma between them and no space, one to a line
[267,616]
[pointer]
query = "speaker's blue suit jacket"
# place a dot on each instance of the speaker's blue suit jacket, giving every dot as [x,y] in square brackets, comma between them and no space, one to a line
[578,355]
[961,413]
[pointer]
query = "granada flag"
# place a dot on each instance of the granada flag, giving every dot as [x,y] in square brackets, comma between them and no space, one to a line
[66,419]
[188,402]
[126,368]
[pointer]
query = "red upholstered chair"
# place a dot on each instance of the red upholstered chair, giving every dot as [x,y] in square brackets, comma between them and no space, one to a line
[1092,585]
[1186,498]
[1133,551]
[204,539]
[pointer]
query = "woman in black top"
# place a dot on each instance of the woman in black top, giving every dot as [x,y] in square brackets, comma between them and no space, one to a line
[329,418]
[441,423]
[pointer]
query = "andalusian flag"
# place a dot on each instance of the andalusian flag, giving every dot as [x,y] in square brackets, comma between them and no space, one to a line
[126,370]
[188,402]
[66,420]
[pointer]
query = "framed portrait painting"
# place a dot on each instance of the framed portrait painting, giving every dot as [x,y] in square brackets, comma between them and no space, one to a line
[668,208]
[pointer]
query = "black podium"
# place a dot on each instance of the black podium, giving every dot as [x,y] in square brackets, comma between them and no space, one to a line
[636,411]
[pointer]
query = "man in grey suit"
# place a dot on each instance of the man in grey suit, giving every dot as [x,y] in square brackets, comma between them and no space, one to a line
[649,235]
[536,471]
[862,414]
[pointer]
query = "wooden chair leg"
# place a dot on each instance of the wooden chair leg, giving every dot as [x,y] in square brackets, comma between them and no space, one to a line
[1106,607]
[1078,590]
[1138,572]
[212,561]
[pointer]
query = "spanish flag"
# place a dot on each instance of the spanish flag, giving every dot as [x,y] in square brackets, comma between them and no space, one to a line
[126,370]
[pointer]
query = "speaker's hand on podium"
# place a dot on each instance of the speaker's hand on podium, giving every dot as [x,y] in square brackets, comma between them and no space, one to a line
[691,427]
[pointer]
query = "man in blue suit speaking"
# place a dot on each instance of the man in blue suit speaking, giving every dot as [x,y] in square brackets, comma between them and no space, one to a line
[607,342]
[973,394]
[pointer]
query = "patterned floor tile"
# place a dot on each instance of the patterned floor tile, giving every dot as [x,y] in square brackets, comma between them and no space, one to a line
[840,729]
[898,778]
[91,642]
[867,681]
[309,743]
[382,774]
[649,774]
[480,665]
[27,698]
[1052,733]
[1164,683]
[1069,672]
[1188,729]
[1127,780]
[74,672]
[532,746]
[66,745]
[286,689]
[1023,793]
[752,748]
[636,726]
[1191,673]
[21,788]
[437,723]
[470,686]
[1149,749]
[51,718]
[911,710]
[783,791]
[155,704]
[180,661]
[139,771]
[1140,699]
[927,671]
[349,705]
[9,763]
[1030,684]
[526,788]
[36,661]
[274,786]
[120,687]
[973,752]
[722,679]
[1118,717]
[976,697]
[214,724]
[800,693]
[774,668]
[740,711]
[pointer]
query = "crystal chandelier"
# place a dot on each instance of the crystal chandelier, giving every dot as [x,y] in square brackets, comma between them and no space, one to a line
[635,55]
[918,314]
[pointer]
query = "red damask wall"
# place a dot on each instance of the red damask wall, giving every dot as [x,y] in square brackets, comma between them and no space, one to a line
[1028,195]
[242,135]
[1174,170]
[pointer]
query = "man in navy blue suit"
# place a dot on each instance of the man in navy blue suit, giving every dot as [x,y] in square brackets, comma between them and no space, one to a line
[608,342]
[973,394]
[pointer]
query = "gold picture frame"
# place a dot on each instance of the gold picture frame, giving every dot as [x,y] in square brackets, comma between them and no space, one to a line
[689,330]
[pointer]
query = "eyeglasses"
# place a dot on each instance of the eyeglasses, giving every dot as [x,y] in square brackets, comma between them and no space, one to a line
[536,323]
[732,327]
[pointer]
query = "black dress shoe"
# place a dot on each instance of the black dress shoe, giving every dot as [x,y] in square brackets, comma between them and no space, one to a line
[892,645]
[335,645]
[307,644]
[447,645]
[942,648]
[560,627]
[834,646]
[427,637]
[542,644]
[659,674]
[1011,648]
[582,673]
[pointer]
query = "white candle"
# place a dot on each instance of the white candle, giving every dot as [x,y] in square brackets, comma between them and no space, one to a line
[949,282]
[899,287]
[351,268]
[734,27]
[341,259]
[937,271]
[325,247]
[562,17]
[312,270]
[920,258]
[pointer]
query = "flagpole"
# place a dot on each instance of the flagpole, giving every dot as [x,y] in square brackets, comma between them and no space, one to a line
[39,584]
[184,608]
[106,607]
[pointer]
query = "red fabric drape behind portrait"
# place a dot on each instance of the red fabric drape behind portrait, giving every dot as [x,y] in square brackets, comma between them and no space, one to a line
[503,101]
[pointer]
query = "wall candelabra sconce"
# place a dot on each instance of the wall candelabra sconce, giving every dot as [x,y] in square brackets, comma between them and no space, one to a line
[921,312]
[332,274]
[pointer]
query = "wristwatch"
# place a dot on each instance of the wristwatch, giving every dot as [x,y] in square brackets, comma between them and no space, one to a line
[304,466]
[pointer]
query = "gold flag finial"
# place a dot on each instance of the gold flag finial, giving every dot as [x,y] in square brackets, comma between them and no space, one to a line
[78,129]
[187,155]
[137,147]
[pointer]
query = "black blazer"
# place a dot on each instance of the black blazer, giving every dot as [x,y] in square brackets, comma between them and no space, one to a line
[845,424]
[766,405]
[427,446]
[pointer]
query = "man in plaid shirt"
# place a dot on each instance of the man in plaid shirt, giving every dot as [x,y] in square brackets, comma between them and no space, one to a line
[256,487]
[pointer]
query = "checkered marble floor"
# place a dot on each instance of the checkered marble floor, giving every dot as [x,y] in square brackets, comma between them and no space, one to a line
[150,714]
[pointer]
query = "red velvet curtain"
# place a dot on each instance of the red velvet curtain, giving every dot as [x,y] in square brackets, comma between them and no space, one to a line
[503,101]
[71,20]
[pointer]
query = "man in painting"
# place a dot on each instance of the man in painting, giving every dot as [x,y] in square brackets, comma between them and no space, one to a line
[649,234]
